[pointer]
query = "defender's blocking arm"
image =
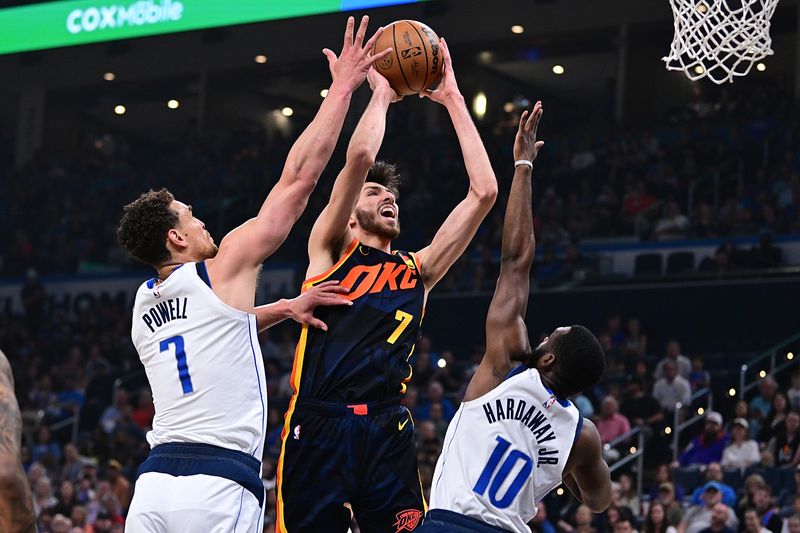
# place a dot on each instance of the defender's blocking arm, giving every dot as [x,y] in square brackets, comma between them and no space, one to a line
[301,308]
[331,232]
[16,506]
[460,226]
[506,333]
[246,247]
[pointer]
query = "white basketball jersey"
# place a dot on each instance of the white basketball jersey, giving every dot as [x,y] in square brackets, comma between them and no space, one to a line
[204,364]
[504,452]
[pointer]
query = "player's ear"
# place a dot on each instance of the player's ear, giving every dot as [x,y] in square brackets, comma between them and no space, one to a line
[547,362]
[352,221]
[176,240]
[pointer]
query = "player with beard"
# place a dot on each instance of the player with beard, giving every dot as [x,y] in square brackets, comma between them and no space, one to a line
[195,329]
[348,445]
[516,437]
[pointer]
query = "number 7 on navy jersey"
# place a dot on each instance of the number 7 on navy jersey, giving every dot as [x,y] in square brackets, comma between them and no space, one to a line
[180,355]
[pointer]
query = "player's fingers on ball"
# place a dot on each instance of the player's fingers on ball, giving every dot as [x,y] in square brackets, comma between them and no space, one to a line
[374,38]
[448,62]
[380,55]
[362,30]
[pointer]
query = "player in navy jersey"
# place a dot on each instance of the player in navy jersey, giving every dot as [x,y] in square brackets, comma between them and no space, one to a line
[348,445]
[195,330]
[516,437]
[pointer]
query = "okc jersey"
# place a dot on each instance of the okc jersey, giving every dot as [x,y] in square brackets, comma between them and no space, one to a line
[203,362]
[363,356]
[505,451]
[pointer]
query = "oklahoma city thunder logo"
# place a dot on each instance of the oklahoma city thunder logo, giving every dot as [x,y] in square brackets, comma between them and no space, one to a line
[407,520]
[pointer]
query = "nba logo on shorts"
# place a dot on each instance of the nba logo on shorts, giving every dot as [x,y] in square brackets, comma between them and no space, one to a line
[407,520]
[297,432]
[549,402]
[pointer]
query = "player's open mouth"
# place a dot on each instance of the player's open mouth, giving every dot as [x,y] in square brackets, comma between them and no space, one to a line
[389,211]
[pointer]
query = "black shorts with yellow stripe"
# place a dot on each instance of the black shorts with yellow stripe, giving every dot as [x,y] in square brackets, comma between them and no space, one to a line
[336,458]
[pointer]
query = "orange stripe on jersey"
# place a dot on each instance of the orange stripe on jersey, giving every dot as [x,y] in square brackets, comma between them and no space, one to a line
[347,253]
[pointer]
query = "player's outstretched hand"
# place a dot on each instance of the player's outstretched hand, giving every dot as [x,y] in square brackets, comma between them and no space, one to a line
[525,145]
[377,82]
[328,293]
[351,66]
[447,92]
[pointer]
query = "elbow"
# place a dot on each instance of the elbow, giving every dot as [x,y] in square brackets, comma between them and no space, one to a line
[598,505]
[486,196]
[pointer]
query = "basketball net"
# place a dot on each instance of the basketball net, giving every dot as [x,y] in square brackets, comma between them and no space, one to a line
[719,39]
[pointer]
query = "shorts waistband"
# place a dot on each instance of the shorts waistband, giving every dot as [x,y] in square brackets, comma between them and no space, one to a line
[348,409]
[463,521]
[192,459]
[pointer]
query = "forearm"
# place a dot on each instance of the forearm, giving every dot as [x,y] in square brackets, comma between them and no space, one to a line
[519,242]
[368,135]
[482,181]
[312,150]
[272,314]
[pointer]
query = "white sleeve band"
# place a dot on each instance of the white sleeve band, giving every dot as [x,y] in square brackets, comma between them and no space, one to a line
[525,162]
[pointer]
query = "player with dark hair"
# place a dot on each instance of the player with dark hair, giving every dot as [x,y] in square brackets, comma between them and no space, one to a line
[195,329]
[516,437]
[348,444]
[16,505]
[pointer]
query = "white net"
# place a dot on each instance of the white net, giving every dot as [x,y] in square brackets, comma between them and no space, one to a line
[719,39]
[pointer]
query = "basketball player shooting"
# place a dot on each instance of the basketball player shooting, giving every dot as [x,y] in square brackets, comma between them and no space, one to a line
[347,441]
[16,506]
[195,329]
[516,437]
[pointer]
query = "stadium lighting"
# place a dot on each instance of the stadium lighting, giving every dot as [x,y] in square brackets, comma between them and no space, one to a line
[633,449]
[508,107]
[558,70]
[441,363]
[120,110]
[109,76]
[700,410]
[516,28]
[762,374]
[323,93]
[479,104]
[261,59]
[173,104]
[287,111]
[667,430]
[761,67]
[731,392]
[699,69]
[790,356]
[560,491]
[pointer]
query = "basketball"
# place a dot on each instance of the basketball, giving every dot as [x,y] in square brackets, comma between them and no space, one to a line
[415,63]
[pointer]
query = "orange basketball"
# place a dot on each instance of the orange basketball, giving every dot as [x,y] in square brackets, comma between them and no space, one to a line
[415,63]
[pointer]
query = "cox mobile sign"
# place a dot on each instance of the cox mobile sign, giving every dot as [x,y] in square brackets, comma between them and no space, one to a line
[72,22]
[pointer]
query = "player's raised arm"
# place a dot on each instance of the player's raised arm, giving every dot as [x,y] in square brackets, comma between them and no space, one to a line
[506,333]
[246,247]
[458,230]
[331,232]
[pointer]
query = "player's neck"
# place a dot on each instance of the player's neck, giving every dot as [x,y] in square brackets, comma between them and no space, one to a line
[164,270]
[374,241]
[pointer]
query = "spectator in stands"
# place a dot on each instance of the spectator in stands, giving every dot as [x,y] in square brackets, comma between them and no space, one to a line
[742,410]
[698,517]
[624,524]
[627,494]
[611,424]
[794,392]
[752,483]
[774,422]
[120,486]
[641,408]
[73,463]
[672,388]
[45,450]
[60,524]
[761,404]
[584,405]
[719,519]
[784,445]
[436,395]
[672,225]
[714,473]
[683,364]
[751,523]
[699,377]
[741,452]
[792,501]
[708,446]
[768,514]
[635,342]
[657,520]
[582,520]
[792,524]
[540,523]
[672,507]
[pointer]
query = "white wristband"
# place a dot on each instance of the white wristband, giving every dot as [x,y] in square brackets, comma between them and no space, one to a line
[525,162]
